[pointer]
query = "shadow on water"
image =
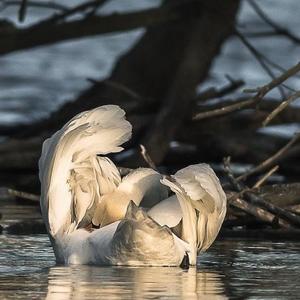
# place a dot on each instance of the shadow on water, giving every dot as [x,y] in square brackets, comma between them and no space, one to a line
[231,269]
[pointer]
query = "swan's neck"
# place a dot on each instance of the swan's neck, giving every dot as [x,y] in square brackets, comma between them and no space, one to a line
[189,221]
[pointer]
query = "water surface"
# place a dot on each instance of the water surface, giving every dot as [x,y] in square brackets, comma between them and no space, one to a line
[231,269]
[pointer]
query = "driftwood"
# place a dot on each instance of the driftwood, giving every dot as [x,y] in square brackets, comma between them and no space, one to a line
[259,213]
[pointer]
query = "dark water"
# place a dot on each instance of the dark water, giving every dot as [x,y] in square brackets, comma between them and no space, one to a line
[232,269]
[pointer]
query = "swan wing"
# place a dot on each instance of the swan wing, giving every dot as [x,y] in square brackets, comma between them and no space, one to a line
[203,203]
[143,186]
[72,177]
[167,212]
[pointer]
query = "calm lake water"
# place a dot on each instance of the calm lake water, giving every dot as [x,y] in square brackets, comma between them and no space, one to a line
[231,269]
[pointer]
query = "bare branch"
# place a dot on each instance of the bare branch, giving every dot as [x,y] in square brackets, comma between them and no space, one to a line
[217,93]
[48,32]
[260,93]
[259,57]
[278,29]
[225,109]
[77,9]
[24,195]
[22,10]
[118,86]
[281,107]
[271,160]
[265,177]
[32,3]
[147,157]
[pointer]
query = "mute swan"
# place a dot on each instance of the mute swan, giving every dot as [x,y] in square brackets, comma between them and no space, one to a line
[93,216]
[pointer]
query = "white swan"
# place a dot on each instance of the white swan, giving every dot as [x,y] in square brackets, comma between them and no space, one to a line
[93,216]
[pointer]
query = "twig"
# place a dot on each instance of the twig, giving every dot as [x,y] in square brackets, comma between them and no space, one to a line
[259,57]
[22,10]
[24,195]
[32,3]
[260,34]
[265,177]
[281,107]
[217,93]
[77,9]
[260,93]
[118,86]
[225,109]
[278,29]
[147,158]
[271,160]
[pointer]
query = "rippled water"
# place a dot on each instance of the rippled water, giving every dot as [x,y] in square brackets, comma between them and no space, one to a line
[230,269]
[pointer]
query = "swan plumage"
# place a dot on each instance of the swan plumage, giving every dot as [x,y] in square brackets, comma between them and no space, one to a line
[93,216]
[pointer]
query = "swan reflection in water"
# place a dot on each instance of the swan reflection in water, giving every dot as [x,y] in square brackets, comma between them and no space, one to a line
[88,282]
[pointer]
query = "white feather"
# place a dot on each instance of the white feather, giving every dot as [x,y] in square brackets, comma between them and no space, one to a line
[167,212]
[80,188]
[99,131]
[203,204]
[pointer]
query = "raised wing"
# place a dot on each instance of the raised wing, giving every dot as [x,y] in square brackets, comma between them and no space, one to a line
[203,203]
[167,212]
[143,186]
[72,177]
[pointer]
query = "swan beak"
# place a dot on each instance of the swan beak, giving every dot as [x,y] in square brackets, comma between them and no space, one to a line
[185,264]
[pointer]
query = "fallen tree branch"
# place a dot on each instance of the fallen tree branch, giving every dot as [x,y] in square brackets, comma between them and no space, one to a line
[201,46]
[49,33]
[24,195]
[258,213]
[281,107]
[283,194]
[271,160]
[265,177]
[225,109]
[260,92]
[256,200]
